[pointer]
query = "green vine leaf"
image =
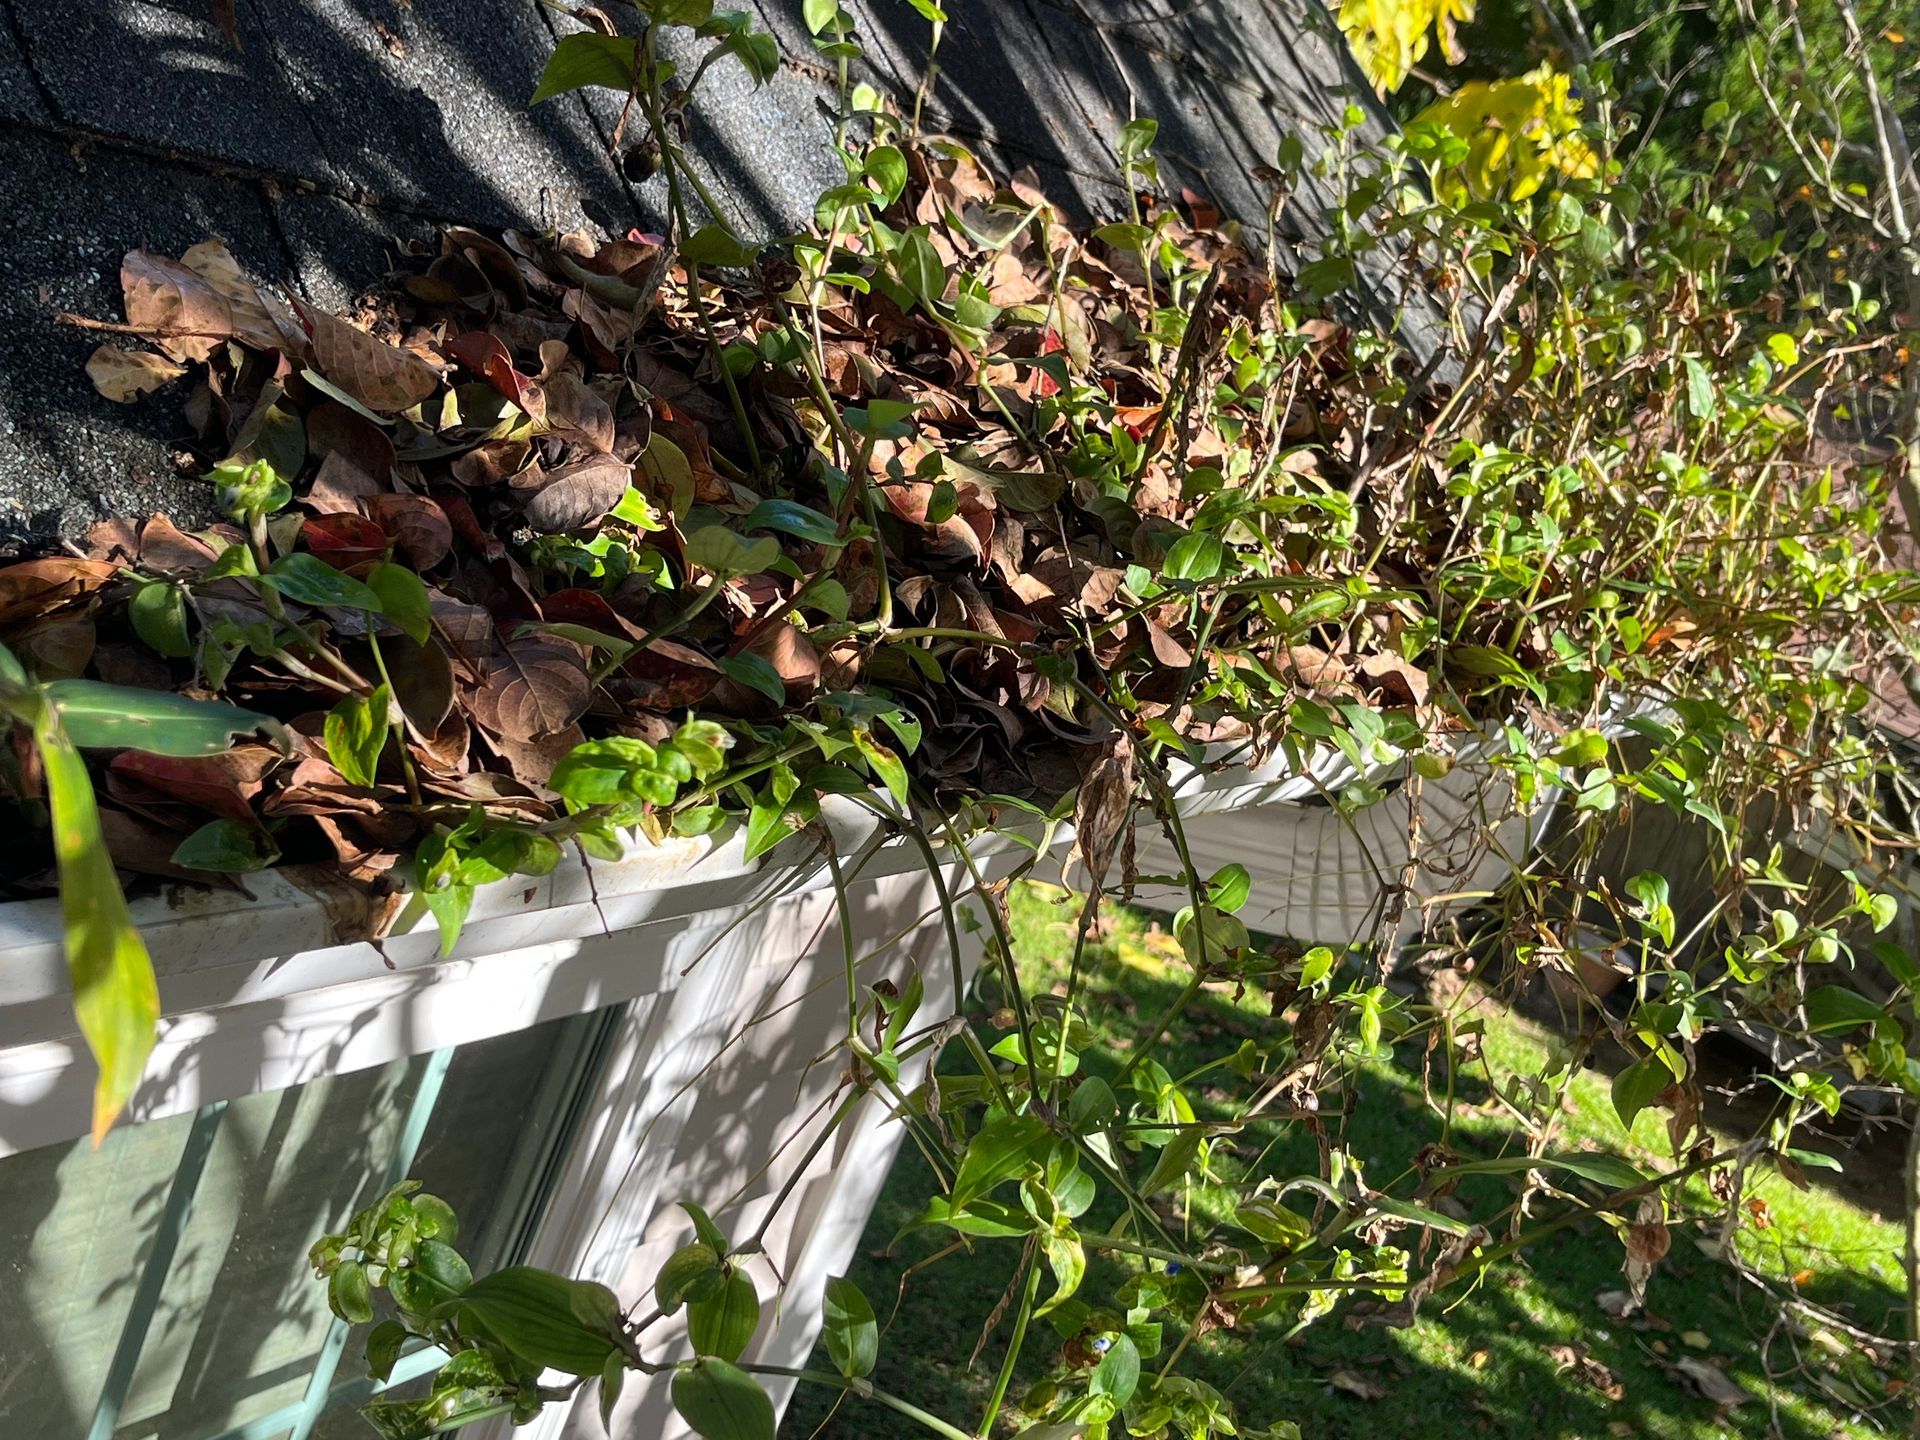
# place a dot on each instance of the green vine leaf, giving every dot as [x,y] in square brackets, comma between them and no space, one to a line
[96,716]
[546,1319]
[852,1332]
[158,611]
[310,580]
[722,1324]
[356,733]
[384,1344]
[886,764]
[1117,1375]
[1004,1147]
[722,1402]
[349,1293]
[228,847]
[403,599]
[586,59]
[1636,1087]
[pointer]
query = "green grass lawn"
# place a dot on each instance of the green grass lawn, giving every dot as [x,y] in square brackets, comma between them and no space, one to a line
[1529,1352]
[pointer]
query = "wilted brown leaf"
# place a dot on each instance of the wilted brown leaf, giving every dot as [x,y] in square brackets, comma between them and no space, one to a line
[532,759]
[166,547]
[488,357]
[334,429]
[532,686]
[57,649]
[1647,1241]
[221,785]
[466,631]
[166,300]
[33,588]
[1354,1383]
[382,377]
[792,655]
[1103,808]
[419,527]
[123,376]
[254,318]
[576,496]
[339,485]
[575,411]
[422,680]
[1711,1381]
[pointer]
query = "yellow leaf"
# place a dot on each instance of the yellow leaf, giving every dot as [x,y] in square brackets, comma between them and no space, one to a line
[1389,37]
[115,998]
[123,376]
[1520,132]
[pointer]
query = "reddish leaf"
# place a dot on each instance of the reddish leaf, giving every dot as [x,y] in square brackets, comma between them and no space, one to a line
[219,784]
[418,526]
[1206,215]
[485,355]
[344,540]
[468,527]
[588,608]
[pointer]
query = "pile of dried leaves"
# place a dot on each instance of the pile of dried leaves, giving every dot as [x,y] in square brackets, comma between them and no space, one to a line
[539,427]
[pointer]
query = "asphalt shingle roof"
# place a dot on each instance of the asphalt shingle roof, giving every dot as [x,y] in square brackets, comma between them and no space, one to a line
[343,126]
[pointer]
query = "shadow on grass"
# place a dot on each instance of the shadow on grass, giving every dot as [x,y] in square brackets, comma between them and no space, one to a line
[1493,1361]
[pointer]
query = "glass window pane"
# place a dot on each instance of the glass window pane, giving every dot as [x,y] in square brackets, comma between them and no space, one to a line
[240,1321]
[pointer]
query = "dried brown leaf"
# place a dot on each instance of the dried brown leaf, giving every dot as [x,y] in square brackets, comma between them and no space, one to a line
[35,587]
[1103,809]
[577,496]
[382,377]
[185,316]
[1711,1381]
[222,785]
[123,376]
[531,686]
[419,527]
[255,319]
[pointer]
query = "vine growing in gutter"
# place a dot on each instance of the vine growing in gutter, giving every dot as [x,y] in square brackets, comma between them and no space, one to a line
[955,511]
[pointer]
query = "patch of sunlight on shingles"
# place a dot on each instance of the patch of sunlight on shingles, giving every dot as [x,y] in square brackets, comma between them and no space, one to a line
[178,39]
[479,147]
